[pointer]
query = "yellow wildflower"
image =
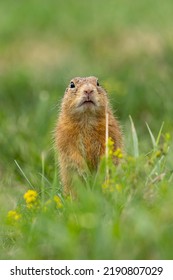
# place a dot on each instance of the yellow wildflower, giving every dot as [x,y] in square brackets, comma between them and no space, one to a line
[31,205]
[13,215]
[30,196]
[110,146]
[118,153]
[58,201]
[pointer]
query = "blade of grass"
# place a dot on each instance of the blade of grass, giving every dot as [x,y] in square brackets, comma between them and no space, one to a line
[45,179]
[56,184]
[135,138]
[152,137]
[23,174]
[159,134]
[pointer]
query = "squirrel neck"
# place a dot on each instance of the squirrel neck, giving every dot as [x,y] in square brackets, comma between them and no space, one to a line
[83,120]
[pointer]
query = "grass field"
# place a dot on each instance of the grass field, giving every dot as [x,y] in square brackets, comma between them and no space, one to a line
[129,46]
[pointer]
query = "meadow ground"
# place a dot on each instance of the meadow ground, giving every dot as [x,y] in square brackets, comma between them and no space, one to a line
[129,46]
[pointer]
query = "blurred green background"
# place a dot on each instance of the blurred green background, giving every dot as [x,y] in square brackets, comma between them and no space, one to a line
[127,44]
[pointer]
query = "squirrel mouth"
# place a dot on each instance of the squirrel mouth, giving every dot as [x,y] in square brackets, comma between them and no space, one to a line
[87,102]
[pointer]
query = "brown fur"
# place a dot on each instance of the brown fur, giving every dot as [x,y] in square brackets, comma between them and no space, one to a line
[81,130]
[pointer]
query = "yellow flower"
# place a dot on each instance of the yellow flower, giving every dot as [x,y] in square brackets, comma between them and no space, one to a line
[110,146]
[110,143]
[30,196]
[118,153]
[58,201]
[32,205]
[13,215]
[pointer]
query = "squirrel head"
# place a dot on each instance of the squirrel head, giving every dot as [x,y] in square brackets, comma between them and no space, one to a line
[84,96]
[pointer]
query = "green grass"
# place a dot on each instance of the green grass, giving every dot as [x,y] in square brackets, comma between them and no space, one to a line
[130,48]
[127,216]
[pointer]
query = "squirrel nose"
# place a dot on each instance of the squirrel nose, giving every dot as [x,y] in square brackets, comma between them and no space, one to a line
[88,91]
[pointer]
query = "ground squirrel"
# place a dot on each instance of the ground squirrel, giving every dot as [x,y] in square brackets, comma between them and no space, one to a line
[81,129]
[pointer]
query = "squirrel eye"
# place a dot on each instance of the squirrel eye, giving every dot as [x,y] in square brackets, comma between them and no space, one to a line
[98,83]
[72,85]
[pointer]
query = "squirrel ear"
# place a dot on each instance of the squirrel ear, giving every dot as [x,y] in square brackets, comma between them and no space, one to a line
[98,83]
